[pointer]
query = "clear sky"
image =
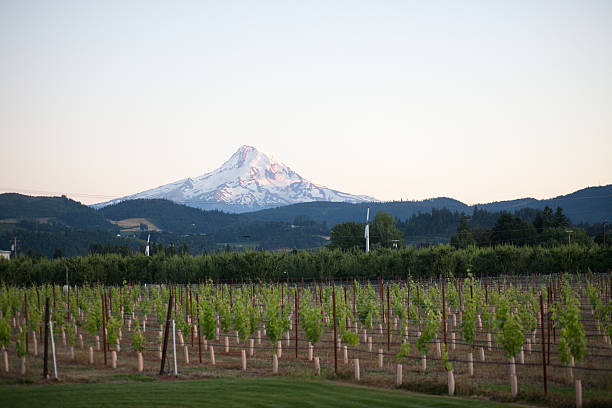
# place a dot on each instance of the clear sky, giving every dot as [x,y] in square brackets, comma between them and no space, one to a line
[475,100]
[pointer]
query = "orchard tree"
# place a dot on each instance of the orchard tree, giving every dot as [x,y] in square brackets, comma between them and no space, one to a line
[384,230]
[347,235]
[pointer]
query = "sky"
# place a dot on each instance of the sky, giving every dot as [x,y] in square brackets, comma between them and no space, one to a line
[476,100]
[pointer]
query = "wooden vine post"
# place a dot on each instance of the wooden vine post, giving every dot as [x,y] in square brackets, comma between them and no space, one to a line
[419,306]
[388,321]
[335,331]
[199,328]
[68,299]
[40,333]
[296,321]
[548,316]
[46,353]
[346,304]
[543,345]
[444,313]
[166,329]
[381,290]
[408,304]
[25,300]
[354,305]
[191,313]
[103,298]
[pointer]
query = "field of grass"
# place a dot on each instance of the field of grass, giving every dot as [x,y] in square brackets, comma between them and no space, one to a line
[224,393]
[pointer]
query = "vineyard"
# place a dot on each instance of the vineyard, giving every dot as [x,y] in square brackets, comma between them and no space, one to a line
[536,339]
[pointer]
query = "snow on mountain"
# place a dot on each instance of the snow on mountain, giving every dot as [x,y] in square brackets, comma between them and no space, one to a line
[248,181]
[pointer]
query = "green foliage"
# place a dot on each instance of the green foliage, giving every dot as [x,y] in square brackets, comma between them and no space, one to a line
[323,264]
[182,323]
[225,315]
[240,320]
[276,317]
[398,296]
[431,328]
[384,231]
[347,235]
[254,318]
[207,320]
[21,344]
[71,334]
[146,306]
[342,313]
[464,237]
[566,315]
[349,337]
[368,308]
[58,319]
[311,320]
[468,323]
[448,366]
[5,332]
[138,340]
[112,328]
[509,329]
[93,318]
[404,352]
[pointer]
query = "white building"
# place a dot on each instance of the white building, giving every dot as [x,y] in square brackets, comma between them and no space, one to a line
[5,254]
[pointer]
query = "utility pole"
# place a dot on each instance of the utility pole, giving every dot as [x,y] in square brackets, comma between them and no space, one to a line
[14,247]
[569,235]
[367,232]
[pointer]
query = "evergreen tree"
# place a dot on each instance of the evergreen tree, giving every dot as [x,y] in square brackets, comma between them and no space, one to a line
[464,237]
[560,220]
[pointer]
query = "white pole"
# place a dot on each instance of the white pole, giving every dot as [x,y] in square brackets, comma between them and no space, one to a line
[174,346]
[367,232]
[53,349]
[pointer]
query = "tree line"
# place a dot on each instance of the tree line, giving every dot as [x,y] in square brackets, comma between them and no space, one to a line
[533,227]
[526,226]
[296,265]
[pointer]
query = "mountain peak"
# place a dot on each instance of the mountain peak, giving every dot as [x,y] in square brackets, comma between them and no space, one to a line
[247,181]
[246,155]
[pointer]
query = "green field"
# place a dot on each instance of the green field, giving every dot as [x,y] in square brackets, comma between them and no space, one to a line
[223,393]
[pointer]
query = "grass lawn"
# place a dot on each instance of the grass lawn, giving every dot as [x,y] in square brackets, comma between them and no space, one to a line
[222,393]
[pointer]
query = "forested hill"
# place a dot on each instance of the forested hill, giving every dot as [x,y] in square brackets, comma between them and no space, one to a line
[44,224]
[57,226]
[590,205]
[335,213]
[51,210]
[170,216]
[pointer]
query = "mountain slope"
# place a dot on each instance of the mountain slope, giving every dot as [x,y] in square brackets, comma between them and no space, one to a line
[248,181]
[170,216]
[335,213]
[591,204]
[58,209]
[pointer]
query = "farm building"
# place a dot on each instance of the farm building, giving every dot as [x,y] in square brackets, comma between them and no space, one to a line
[5,254]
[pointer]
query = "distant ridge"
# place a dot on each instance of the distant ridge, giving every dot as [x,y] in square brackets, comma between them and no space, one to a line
[590,205]
[44,224]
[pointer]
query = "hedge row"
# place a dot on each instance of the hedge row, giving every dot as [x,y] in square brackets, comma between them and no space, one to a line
[324,264]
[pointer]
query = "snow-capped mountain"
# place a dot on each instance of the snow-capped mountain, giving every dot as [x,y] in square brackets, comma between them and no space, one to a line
[248,181]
